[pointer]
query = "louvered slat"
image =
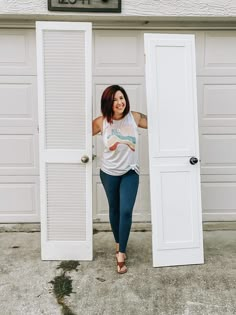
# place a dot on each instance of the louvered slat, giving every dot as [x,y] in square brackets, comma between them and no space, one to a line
[66,202]
[64,77]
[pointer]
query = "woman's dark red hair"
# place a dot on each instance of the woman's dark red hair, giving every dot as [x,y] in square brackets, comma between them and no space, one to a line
[108,99]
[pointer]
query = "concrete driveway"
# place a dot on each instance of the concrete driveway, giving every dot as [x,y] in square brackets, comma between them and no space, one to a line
[208,289]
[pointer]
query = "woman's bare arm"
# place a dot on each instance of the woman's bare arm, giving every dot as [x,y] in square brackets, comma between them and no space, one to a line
[97,125]
[141,119]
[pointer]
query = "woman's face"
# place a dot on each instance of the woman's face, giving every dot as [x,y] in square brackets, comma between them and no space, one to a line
[119,103]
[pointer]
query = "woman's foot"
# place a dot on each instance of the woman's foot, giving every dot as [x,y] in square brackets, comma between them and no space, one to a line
[121,267]
[117,251]
[117,254]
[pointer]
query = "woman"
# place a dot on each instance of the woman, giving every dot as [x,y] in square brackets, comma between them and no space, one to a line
[119,169]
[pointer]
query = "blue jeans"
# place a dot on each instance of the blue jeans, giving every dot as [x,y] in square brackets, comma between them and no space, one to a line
[121,193]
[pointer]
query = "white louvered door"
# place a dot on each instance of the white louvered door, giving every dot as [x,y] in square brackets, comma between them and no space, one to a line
[65,114]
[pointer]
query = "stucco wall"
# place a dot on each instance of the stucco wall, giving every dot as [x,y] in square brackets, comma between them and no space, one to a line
[135,8]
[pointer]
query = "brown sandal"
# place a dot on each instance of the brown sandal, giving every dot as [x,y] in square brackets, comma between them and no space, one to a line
[121,264]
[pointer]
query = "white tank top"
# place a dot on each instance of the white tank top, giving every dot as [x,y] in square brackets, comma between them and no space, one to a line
[120,140]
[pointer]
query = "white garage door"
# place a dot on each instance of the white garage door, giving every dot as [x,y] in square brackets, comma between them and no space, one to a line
[19,200]
[119,58]
[216,70]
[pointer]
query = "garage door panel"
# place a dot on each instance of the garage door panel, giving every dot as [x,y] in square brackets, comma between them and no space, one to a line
[118,53]
[19,199]
[18,106]
[213,178]
[219,200]
[17,53]
[100,209]
[217,54]
[216,101]
[19,154]
[218,153]
[19,178]
[141,208]
[97,150]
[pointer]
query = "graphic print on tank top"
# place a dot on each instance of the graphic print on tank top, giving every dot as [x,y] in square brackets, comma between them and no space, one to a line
[122,135]
[120,140]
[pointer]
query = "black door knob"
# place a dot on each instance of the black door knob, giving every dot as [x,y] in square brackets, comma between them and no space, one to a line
[193,160]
